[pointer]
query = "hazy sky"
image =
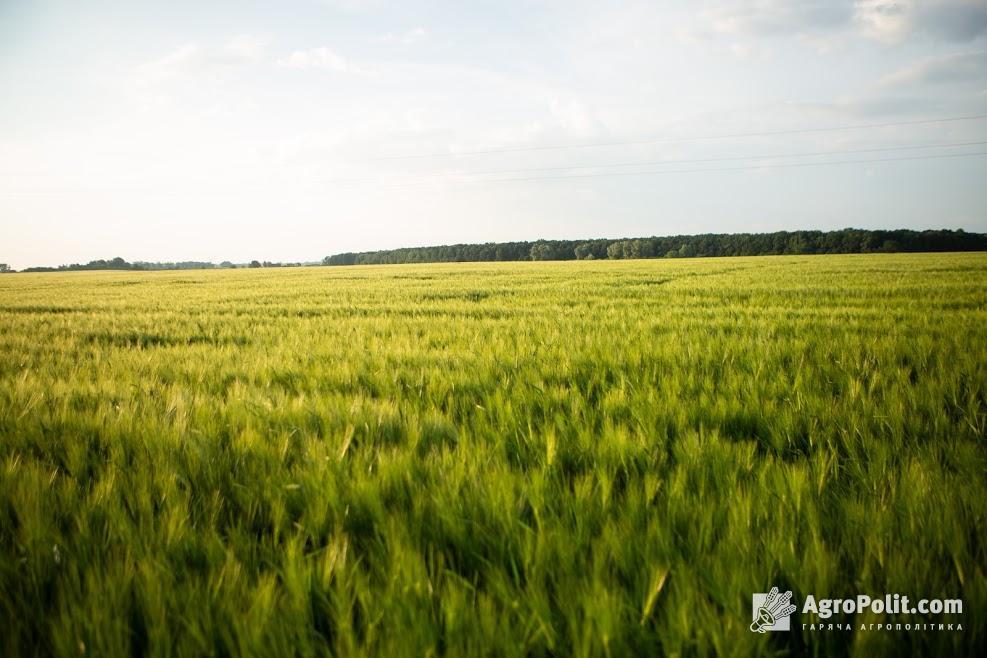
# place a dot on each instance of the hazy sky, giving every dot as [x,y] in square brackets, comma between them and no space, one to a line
[190,130]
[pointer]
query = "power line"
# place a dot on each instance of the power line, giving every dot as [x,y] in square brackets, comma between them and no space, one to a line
[668,171]
[650,163]
[672,140]
[712,170]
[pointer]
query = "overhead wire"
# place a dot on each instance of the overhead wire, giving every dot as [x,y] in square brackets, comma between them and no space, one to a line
[693,138]
[713,170]
[651,163]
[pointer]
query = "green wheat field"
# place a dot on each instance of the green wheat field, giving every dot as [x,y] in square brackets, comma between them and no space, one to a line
[587,458]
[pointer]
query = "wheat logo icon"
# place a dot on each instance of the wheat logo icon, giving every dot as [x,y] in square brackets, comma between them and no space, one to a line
[771,611]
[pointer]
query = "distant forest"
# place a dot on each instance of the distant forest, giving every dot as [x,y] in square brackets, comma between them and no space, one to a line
[120,264]
[845,241]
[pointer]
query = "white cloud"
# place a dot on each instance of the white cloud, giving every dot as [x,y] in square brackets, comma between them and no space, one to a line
[938,85]
[245,47]
[749,50]
[352,5]
[891,21]
[192,58]
[180,59]
[888,21]
[316,58]
[575,119]
[956,67]
[768,17]
[414,35]
[825,44]
[885,21]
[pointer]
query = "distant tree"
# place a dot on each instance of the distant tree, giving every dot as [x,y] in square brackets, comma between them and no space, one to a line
[591,250]
[4,268]
[639,248]
[615,250]
[340,259]
[227,264]
[181,265]
[797,244]
[541,251]
[255,263]
[584,251]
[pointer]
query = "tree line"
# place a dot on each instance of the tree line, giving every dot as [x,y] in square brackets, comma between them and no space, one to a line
[120,264]
[845,241]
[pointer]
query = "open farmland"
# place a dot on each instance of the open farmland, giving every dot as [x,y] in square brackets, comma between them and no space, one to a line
[584,458]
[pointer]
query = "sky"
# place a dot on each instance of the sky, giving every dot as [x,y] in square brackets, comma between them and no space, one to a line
[287,131]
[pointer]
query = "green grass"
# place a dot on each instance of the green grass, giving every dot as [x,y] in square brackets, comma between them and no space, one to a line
[584,458]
